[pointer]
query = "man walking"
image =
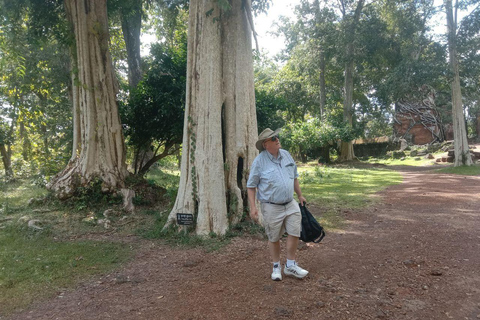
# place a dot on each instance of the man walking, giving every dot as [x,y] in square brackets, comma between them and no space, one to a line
[273,178]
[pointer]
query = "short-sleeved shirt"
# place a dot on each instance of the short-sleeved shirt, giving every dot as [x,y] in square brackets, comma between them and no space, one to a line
[273,178]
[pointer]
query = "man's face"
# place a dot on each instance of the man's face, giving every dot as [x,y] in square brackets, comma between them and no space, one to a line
[272,144]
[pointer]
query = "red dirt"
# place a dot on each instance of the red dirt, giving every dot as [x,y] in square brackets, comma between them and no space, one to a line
[414,255]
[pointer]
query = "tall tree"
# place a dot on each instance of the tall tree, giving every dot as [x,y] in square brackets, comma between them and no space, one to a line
[98,144]
[351,22]
[462,153]
[220,127]
[131,12]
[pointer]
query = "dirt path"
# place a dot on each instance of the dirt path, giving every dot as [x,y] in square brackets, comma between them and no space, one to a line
[413,256]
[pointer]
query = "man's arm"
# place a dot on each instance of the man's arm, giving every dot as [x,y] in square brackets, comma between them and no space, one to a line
[251,201]
[298,191]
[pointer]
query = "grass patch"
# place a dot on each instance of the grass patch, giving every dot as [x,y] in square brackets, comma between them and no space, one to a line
[334,189]
[166,178]
[407,161]
[461,170]
[184,238]
[34,266]
[15,195]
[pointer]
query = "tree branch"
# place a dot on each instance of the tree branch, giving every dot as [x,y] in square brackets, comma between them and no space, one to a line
[248,12]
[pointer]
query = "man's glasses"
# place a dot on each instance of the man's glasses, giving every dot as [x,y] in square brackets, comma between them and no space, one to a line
[274,138]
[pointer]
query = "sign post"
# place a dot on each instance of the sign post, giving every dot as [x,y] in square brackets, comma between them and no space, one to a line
[184,219]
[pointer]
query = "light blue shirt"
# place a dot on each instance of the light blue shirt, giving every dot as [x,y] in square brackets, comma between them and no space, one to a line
[273,178]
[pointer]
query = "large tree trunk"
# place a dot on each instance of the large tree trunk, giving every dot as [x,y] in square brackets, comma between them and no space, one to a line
[220,127]
[131,27]
[462,153]
[346,150]
[98,150]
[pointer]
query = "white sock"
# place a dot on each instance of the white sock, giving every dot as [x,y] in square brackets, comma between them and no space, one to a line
[276,264]
[290,263]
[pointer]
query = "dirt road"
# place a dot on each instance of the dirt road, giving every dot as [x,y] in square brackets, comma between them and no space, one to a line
[415,255]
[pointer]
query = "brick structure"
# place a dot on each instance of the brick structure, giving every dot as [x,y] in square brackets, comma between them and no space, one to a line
[418,122]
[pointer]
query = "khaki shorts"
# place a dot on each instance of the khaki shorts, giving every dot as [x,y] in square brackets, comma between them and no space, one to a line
[277,219]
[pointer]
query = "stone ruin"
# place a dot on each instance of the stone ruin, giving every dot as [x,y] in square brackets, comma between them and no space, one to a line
[417,120]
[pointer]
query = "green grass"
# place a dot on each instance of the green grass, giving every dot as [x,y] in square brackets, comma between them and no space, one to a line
[336,189]
[462,170]
[35,266]
[185,238]
[15,195]
[408,161]
[168,179]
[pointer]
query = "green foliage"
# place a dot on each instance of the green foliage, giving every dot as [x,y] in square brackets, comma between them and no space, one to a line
[261,6]
[34,68]
[468,42]
[269,110]
[91,197]
[154,113]
[303,139]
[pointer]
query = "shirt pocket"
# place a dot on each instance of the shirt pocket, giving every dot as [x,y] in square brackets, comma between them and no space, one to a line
[270,176]
[290,170]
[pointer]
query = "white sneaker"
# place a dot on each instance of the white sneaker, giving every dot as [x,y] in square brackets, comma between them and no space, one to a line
[295,271]
[277,274]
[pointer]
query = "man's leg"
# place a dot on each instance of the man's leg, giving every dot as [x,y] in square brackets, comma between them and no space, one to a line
[291,267]
[274,250]
[292,244]
[275,254]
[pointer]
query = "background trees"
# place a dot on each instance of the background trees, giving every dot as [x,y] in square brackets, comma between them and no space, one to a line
[325,70]
[34,88]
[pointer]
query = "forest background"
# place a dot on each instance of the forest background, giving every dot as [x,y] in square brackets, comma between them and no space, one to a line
[344,67]
[300,89]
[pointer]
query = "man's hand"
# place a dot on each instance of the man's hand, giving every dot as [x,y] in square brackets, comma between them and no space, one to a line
[254,213]
[252,202]
[302,200]
[296,187]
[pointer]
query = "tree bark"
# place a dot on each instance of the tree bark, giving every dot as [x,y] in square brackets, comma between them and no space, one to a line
[220,127]
[323,88]
[346,150]
[131,27]
[477,126]
[99,151]
[321,53]
[6,153]
[462,153]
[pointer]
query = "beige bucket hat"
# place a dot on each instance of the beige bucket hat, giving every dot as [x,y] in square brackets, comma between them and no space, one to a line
[267,133]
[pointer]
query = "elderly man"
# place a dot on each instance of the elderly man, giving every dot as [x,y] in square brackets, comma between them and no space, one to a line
[273,177]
